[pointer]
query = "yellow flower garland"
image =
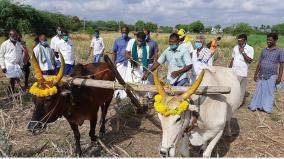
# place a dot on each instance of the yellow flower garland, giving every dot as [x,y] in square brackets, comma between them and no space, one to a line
[35,90]
[164,110]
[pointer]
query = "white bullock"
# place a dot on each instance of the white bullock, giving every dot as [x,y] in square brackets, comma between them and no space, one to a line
[214,112]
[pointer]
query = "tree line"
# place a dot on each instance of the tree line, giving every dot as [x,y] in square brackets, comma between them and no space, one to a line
[26,19]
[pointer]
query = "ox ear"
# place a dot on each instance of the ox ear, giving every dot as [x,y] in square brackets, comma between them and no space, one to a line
[194,86]
[158,84]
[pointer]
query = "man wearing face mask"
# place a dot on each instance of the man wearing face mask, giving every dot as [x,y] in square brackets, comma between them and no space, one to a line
[119,47]
[119,58]
[179,62]
[242,56]
[11,58]
[137,51]
[45,56]
[98,46]
[153,51]
[202,57]
[53,45]
[66,48]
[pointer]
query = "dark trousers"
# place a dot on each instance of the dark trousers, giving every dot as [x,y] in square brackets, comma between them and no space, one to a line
[26,69]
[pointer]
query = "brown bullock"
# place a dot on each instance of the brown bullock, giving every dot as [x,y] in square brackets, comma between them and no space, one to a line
[75,103]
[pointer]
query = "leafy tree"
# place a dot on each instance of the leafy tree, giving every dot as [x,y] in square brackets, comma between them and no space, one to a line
[76,23]
[166,29]
[208,29]
[131,27]
[278,28]
[139,25]
[112,25]
[196,27]
[24,26]
[183,26]
[228,30]
[218,27]
[242,28]
[151,26]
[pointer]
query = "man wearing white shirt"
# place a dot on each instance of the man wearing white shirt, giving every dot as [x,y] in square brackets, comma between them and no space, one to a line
[11,58]
[137,51]
[98,46]
[53,43]
[242,56]
[202,57]
[66,48]
[45,56]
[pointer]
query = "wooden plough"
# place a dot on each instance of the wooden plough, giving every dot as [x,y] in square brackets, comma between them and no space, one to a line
[129,88]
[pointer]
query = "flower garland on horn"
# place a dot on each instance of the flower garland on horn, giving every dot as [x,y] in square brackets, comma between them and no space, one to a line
[40,92]
[161,99]
[46,86]
[166,111]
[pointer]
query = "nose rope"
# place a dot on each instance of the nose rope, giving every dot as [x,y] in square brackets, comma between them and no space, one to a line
[49,114]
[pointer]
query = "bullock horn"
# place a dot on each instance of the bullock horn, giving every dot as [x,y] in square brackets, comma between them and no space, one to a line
[194,86]
[37,69]
[158,85]
[60,73]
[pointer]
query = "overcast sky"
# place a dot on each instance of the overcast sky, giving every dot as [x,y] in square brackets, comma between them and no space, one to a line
[170,12]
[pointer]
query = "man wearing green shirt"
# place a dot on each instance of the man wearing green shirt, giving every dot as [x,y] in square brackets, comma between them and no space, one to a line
[179,62]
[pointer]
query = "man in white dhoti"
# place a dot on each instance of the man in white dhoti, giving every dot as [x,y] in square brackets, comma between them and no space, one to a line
[11,58]
[119,58]
[137,51]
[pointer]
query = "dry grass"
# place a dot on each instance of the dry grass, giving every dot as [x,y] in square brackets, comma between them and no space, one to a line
[254,134]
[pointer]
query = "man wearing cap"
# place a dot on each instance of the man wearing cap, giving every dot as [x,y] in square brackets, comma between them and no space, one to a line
[184,41]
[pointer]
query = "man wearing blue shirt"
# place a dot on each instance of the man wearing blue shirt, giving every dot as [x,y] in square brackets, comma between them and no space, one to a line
[119,47]
[119,58]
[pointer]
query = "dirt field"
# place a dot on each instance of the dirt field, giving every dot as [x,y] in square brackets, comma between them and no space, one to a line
[255,134]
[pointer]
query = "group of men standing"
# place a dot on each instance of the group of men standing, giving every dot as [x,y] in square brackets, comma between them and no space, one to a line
[15,59]
[136,58]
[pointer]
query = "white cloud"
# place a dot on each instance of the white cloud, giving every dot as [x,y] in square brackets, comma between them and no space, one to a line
[171,12]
